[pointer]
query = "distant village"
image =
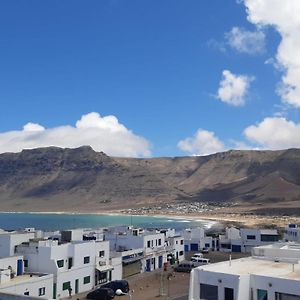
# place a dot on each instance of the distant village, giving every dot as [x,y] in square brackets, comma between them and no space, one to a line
[182,208]
[36,264]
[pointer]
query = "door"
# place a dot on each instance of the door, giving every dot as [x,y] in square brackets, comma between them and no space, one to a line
[236,248]
[194,247]
[20,267]
[160,262]
[186,248]
[76,286]
[148,265]
[153,263]
[54,290]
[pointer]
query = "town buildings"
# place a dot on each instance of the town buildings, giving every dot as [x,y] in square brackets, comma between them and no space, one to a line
[145,250]
[244,239]
[55,264]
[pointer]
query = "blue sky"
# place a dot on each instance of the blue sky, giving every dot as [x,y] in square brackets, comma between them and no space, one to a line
[151,77]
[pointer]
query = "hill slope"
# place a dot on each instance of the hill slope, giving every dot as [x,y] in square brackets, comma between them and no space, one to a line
[55,179]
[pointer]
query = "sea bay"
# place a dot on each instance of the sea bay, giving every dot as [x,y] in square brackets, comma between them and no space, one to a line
[60,221]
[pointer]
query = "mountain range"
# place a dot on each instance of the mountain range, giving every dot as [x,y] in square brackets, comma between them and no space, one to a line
[56,179]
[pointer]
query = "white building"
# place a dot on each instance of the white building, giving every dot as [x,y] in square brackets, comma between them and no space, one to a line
[9,241]
[79,265]
[14,281]
[272,273]
[153,244]
[175,247]
[195,239]
[243,240]
[292,233]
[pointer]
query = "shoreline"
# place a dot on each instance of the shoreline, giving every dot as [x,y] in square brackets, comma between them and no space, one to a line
[225,218]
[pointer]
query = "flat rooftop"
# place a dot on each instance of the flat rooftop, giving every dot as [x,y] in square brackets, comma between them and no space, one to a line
[250,265]
[22,278]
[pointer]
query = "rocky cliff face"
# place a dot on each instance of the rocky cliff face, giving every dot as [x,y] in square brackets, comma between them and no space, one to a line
[55,179]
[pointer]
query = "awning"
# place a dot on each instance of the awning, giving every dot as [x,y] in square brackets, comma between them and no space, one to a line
[104,268]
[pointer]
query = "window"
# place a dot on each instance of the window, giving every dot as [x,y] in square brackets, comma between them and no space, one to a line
[148,244]
[70,263]
[262,295]
[60,263]
[86,259]
[180,253]
[181,242]
[208,292]
[102,253]
[226,246]
[42,291]
[66,285]
[26,293]
[229,294]
[86,279]
[159,242]
[269,238]
[251,237]
[283,296]
[25,263]
[176,242]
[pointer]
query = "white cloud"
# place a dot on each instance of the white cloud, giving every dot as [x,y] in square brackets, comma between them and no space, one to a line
[233,88]
[244,41]
[284,16]
[202,143]
[274,133]
[101,133]
[33,127]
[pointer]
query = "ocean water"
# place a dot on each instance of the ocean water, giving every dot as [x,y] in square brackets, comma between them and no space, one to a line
[13,221]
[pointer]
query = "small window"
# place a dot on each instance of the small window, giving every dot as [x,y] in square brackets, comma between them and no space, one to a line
[86,259]
[60,263]
[26,293]
[180,253]
[176,242]
[181,242]
[229,294]
[159,242]
[262,295]
[208,291]
[102,253]
[66,285]
[86,279]
[251,237]
[283,296]
[42,291]
[148,244]
[25,263]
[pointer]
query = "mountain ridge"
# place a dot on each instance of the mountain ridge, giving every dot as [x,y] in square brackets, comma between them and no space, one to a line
[80,179]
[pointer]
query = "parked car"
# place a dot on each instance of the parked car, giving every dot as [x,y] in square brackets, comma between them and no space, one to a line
[185,267]
[198,261]
[205,250]
[117,285]
[197,255]
[101,294]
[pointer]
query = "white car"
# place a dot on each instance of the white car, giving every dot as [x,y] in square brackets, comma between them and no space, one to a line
[200,261]
[197,255]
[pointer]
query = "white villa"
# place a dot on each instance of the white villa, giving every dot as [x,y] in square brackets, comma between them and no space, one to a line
[272,273]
